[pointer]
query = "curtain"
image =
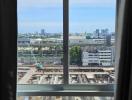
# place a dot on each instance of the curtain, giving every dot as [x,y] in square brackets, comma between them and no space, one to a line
[123,50]
[8,52]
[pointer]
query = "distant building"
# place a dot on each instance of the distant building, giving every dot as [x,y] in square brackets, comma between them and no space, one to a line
[104,31]
[96,33]
[105,57]
[91,56]
[23,41]
[100,34]
[108,40]
[36,41]
[42,32]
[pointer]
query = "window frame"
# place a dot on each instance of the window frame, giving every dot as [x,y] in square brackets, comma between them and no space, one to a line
[67,89]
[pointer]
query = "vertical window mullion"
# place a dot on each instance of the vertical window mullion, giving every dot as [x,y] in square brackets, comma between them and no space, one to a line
[65,39]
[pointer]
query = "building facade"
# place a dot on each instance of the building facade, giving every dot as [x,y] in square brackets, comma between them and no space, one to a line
[97,57]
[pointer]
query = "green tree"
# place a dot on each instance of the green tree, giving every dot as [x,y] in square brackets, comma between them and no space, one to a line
[88,37]
[75,55]
[40,52]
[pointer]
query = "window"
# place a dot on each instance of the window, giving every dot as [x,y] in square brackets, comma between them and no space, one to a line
[50,51]
[91,20]
[40,42]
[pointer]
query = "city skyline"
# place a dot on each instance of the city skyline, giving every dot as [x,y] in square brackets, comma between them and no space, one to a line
[36,15]
[39,32]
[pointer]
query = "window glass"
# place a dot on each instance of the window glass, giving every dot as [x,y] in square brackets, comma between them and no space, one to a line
[40,42]
[91,41]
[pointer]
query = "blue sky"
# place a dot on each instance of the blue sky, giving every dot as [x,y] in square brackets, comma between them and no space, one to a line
[84,16]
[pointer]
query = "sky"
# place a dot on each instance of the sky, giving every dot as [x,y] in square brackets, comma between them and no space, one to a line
[84,15]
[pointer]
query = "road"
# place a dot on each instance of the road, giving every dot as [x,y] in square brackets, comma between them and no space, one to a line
[27,76]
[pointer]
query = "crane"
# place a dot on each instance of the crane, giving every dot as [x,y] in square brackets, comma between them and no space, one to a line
[37,64]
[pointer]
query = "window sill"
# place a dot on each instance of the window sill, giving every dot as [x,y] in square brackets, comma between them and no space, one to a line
[66,90]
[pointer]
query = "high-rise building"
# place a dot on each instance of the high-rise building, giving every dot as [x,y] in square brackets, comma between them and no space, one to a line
[97,33]
[108,40]
[104,33]
[42,32]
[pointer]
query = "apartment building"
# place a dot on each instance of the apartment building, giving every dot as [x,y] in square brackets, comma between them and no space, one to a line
[94,56]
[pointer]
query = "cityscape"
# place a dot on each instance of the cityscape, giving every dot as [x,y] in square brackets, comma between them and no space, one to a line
[92,59]
[91,44]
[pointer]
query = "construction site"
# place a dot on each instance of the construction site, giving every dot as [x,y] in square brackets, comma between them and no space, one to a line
[29,74]
[54,75]
[43,63]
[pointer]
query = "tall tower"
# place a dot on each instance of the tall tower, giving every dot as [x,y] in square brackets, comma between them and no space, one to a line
[108,40]
[97,33]
[42,32]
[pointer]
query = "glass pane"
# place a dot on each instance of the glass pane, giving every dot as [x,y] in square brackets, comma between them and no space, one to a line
[92,41]
[64,98]
[40,42]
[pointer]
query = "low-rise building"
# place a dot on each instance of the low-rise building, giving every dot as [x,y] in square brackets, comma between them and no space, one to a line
[23,41]
[92,56]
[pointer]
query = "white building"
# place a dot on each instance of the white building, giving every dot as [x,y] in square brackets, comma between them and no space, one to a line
[90,57]
[97,57]
[23,41]
[105,57]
